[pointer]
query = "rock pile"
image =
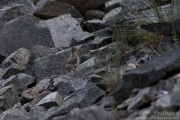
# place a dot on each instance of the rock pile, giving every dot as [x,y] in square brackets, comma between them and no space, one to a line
[36,37]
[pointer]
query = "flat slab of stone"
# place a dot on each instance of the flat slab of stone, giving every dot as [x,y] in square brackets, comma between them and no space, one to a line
[53,99]
[148,74]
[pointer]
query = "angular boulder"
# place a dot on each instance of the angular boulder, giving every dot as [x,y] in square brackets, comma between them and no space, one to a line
[53,64]
[148,74]
[20,57]
[63,29]
[53,99]
[12,2]
[22,32]
[15,63]
[14,80]
[87,67]
[84,37]
[81,98]
[8,97]
[10,13]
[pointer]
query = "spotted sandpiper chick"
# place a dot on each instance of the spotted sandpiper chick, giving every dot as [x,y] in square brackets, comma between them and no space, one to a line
[73,61]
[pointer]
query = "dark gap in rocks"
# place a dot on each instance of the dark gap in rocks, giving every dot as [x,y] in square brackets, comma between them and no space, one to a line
[19,95]
[162,2]
[2,58]
[32,85]
[171,73]
[71,92]
[98,100]
[145,106]
[102,86]
[27,108]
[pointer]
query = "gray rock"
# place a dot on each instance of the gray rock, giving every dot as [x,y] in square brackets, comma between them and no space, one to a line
[54,9]
[137,5]
[84,37]
[95,78]
[4,3]
[176,86]
[20,57]
[41,51]
[102,41]
[63,87]
[1,72]
[58,118]
[27,112]
[81,98]
[53,99]
[81,22]
[164,28]
[40,96]
[107,102]
[22,32]
[167,44]
[150,15]
[84,5]
[14,80]
[71,84]
[9,97]
[94,25]
[84,97]
[110,51]
[94,14]
[80,83]
[109,5]
[143,15]
[148,74]
[43,84]
[91,113]
[163,103]
[112,13]
[38,4]
[12,70]
[53,64]
[15,63]
[63,37]
[26,79]
[142,98]
[175,5]
[108,31]
[175,100]
[58,111]
[87,67]
[116,19]
[10,13]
